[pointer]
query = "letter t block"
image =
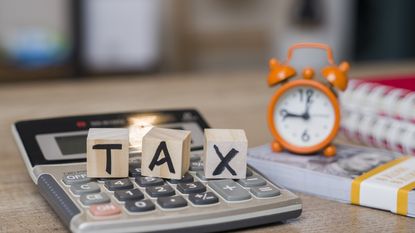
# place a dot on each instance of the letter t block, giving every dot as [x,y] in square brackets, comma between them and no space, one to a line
[107,152]
[166,153]
[225,153]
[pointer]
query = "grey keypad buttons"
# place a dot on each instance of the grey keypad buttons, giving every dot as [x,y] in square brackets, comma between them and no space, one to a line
[96,198]
[90,187]
[140,206]
[201,175]
[229,190]
[252,181]
[194,187]
[147,181]
[78,177]
[196,165]
[187,178]
[160,191]
[249,173]
[265,191]
[129,195]
[120,184]
[172,202]
[206,198]
[134,171]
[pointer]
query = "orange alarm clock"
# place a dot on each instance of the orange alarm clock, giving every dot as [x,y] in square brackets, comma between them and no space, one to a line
[304,114]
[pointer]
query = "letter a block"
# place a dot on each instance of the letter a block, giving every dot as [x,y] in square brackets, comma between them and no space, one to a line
[225,153]
[107,152]
[166,153]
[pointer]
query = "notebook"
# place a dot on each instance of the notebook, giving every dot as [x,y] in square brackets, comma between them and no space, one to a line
[358,175]
[380,112]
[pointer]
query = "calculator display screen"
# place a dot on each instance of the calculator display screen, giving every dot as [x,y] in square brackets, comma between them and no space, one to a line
[63,139]
[69,145]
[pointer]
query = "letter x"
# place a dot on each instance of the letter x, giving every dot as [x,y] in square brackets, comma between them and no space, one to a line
[224,163]
[108,148]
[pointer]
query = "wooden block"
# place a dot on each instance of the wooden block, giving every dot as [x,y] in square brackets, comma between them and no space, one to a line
[166,153]
[107,152]
[225,153]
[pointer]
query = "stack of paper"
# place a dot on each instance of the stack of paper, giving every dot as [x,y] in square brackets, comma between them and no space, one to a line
[359,175]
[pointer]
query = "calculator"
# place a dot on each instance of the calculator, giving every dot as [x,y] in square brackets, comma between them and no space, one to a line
[54,153]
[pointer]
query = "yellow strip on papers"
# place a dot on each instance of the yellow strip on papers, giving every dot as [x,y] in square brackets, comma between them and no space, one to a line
[402,202]
[355,191]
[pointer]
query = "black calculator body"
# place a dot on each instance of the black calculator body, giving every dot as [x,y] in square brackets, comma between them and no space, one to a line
[54,153]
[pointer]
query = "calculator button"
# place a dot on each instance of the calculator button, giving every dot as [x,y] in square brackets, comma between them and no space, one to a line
[196,165]
[265,191]
[194,187]
[128,195]
[201,175]
[229,190]
[134,170]
[97,198]
[78,177]
[195,158]
[104,180]
[79,189]
[101,210]
[160,191]
[252,181]
[139,206]
[172,202]
[203,198]
[120,184]
[146,181]
[187,178]
[249,173]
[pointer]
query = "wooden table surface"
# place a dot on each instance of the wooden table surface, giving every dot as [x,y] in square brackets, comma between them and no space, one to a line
[227,100]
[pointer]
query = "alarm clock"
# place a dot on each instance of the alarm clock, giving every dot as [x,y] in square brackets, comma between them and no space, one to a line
[304,112]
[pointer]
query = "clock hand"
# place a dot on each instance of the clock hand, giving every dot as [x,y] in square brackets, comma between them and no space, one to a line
[319,115]
[306,114]
[284,113]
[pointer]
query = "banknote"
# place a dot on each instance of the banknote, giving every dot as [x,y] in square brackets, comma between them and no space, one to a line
[350,161]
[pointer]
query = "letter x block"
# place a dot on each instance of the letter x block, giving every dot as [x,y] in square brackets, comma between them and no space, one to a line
[107,152]
[166,153]
[225,153]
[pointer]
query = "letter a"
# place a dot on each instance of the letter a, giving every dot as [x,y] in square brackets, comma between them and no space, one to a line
[167,159]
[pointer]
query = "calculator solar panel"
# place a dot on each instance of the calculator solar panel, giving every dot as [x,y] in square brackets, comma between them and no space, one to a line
[139,203]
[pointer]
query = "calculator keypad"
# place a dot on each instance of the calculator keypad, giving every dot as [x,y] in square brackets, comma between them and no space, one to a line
[140,206]
[78,177]
[90,187]
[187,178]
[128,195]
[160,191]
[252,181]
[172,202]
[194,187]
[97,198]
[141,194]
[206,198]
[119,184]
[230,190]
[146,181]
[265,191]
[102,210]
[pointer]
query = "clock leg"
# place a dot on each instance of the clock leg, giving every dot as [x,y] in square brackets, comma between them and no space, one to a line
[276,147]
[329,151]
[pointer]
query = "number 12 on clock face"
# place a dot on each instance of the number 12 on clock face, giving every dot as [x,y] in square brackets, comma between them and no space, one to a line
[304,118]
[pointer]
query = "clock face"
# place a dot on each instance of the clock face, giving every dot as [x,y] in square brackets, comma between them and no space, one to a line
[304,116]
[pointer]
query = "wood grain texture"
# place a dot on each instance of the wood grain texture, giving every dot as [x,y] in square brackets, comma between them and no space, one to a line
[175,153]
[227,100]
[219,144]
[96,159]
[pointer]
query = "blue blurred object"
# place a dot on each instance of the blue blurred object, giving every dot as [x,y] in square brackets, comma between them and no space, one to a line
[36,48]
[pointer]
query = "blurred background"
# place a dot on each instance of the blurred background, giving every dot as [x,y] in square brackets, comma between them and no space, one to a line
[51,39]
